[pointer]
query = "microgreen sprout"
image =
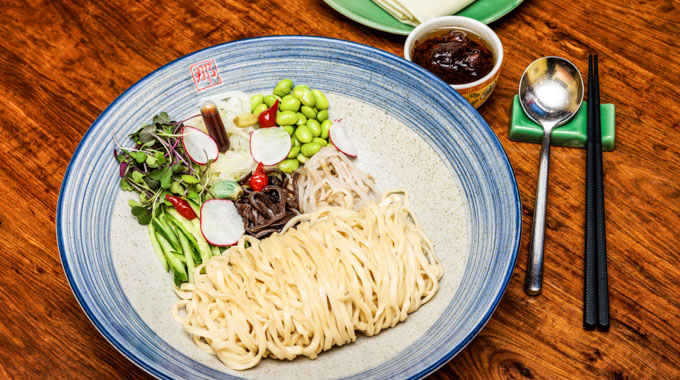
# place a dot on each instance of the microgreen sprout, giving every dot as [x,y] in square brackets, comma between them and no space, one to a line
[157,165]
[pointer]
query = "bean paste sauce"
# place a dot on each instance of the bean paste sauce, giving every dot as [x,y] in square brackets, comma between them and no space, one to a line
[453,56]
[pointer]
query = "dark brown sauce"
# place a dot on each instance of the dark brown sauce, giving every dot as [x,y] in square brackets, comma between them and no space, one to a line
[454,55]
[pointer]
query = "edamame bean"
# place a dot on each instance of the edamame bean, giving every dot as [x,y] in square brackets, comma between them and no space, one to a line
[289,165]
[290,129]
[285,82]
[289,96]
[320,141]
[310,149]
[302,119]
[314,126]
[307,98]
[281,90]
[308,112]
[301,86]
[270,99]
[286,118]
[302,158]
[290,104]
[304,134]
[322,115]
[294,151]
[259,109]
[325,127]
[296,142]
[320,99]
[255,101]
[299,91]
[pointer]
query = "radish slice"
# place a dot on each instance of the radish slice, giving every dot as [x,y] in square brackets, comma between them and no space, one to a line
[221,224]
[339,138]
[270,145]
[199,145]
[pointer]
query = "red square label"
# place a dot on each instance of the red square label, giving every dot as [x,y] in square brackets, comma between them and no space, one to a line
[205,74]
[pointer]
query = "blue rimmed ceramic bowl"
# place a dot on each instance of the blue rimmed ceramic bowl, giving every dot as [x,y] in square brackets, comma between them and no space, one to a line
[412,131]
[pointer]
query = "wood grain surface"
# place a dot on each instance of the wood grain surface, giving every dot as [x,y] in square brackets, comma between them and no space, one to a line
[62,63]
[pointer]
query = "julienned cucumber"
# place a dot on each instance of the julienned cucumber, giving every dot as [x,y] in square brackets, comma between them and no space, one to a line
[178,243]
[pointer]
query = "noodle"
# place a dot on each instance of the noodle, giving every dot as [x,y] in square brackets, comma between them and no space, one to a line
[327,275]
[330,178]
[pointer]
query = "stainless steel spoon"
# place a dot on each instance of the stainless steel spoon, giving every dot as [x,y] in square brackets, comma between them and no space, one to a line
[550,92]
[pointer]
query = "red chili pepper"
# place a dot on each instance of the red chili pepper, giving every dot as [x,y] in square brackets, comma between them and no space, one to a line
[267,118]
[259,179]
[182,206]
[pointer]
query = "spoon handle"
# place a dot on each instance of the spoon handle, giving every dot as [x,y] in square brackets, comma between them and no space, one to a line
[534,274]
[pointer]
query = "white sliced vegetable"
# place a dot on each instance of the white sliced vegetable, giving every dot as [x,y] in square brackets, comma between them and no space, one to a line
[200,147]
[221,224]
[339,138]
[270,145]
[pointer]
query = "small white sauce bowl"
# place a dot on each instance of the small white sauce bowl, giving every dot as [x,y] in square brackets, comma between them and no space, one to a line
[476,92]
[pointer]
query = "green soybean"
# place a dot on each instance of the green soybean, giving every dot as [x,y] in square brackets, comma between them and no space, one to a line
[325,127]
[281,90]
[289,165]
[259,109]
[296,142]
[255,101]
[314,126]
[294,151]
[299,91]
[290,104]
[302,158]
[286,118]
[310,149]
[289,96]
[322,115]
[301,86]
[307,98]
[304,134]
[302,119]
[270,99]
[308,112]
[320,99]
[320,141]
[289,128]
[285,82]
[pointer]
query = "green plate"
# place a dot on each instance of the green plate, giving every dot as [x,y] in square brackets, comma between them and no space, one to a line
[368,13]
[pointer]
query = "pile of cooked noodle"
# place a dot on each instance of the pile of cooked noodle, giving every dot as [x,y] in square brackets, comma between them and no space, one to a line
[338,271]
[330,179]
[355,262]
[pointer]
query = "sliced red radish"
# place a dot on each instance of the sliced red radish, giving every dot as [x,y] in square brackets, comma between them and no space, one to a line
[339,138]
[270,145]
[200,147]
[221,224]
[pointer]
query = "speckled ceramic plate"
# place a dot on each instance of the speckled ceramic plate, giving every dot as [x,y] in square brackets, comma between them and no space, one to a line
[412,131]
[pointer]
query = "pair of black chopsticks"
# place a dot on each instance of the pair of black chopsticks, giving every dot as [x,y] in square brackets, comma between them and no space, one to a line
[596,291]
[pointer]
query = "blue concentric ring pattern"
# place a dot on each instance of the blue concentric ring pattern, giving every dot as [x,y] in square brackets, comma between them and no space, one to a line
[410,94]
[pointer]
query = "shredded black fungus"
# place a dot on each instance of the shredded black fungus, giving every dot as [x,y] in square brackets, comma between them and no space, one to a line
[267,211]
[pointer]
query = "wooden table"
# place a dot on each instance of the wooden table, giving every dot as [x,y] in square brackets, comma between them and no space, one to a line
[62,63]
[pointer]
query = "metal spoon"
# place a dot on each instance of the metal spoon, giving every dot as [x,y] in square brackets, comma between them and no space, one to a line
[550,92]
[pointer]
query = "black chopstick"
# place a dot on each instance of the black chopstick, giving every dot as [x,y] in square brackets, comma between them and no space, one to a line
[596,288]
[590,268]
[602,281]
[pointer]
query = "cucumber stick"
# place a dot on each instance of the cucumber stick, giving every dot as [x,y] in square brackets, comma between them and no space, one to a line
[188,254]
[157,247]
[176,264]
[178,221]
